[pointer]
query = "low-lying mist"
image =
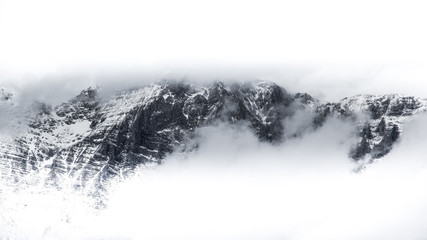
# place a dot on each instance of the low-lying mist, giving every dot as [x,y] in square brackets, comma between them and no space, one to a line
[235,187]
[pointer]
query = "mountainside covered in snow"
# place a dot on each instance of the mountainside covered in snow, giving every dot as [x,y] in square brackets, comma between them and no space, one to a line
[89,138]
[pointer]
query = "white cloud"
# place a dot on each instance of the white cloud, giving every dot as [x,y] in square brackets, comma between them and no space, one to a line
[237,188]
[234,187]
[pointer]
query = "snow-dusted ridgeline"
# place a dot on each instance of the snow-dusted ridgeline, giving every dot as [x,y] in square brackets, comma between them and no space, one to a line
[89,139]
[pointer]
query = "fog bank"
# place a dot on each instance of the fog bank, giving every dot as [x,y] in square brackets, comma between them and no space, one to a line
[234,187]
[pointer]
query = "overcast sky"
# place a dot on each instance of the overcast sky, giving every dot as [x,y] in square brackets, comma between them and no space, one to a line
[329,48]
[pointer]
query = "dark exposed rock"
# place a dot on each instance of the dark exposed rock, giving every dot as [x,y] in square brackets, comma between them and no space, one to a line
[80,107]
[385,146]
[403,106]
[381,127]
[378,108]
[376,137]
[305,98]
[361,149]
[366,132]
[394,133]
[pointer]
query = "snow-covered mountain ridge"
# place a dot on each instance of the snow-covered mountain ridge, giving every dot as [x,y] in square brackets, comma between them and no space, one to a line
[90,139]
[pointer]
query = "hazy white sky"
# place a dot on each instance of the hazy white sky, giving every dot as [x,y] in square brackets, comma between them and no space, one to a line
[328,47]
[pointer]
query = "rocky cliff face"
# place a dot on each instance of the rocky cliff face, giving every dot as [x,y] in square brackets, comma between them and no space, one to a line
[379,121]
[90,139]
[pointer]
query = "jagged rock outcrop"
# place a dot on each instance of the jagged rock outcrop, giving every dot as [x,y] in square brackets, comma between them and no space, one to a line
[378,118]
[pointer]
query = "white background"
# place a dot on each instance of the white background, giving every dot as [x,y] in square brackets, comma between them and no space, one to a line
[328,48]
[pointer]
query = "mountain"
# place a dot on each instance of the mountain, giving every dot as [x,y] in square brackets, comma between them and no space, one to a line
[91,139]
[382,126]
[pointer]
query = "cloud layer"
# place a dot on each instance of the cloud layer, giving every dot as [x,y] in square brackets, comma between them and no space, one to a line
[234,187]
[237,188]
